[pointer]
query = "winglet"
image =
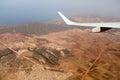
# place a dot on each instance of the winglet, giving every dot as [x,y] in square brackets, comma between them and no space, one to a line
[67,21]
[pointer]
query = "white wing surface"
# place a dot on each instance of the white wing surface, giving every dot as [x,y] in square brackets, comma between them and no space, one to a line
[97,25]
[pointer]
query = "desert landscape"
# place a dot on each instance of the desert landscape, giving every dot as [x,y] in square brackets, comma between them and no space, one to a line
[55,51]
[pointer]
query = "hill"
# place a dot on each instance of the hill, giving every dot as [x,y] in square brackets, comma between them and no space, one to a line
[53,51]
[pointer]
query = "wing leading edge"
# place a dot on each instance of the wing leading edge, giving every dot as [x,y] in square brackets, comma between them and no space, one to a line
[98,26]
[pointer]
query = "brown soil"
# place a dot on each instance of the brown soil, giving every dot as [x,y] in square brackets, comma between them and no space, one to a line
[68,55]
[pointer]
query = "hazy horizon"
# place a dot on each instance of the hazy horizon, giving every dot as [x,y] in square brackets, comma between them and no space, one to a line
[14,11]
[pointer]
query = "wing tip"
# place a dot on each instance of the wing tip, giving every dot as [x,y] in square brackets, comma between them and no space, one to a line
[66,20]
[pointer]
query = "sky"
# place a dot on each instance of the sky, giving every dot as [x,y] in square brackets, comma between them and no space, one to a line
[23,11]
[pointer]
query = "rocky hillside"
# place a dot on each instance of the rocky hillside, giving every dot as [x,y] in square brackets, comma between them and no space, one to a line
[66,55]
[38,51]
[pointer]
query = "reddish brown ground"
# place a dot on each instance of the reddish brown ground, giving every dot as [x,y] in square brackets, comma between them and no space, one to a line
[85,47]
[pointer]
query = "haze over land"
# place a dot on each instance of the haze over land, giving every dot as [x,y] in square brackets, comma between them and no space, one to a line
[23,11]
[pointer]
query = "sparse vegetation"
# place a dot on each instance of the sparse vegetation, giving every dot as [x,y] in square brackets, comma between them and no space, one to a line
[72,51]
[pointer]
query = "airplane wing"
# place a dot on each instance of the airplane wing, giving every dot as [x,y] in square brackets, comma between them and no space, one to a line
[98,26]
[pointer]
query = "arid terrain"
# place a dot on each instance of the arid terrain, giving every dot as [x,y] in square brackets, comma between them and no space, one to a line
[54,51]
